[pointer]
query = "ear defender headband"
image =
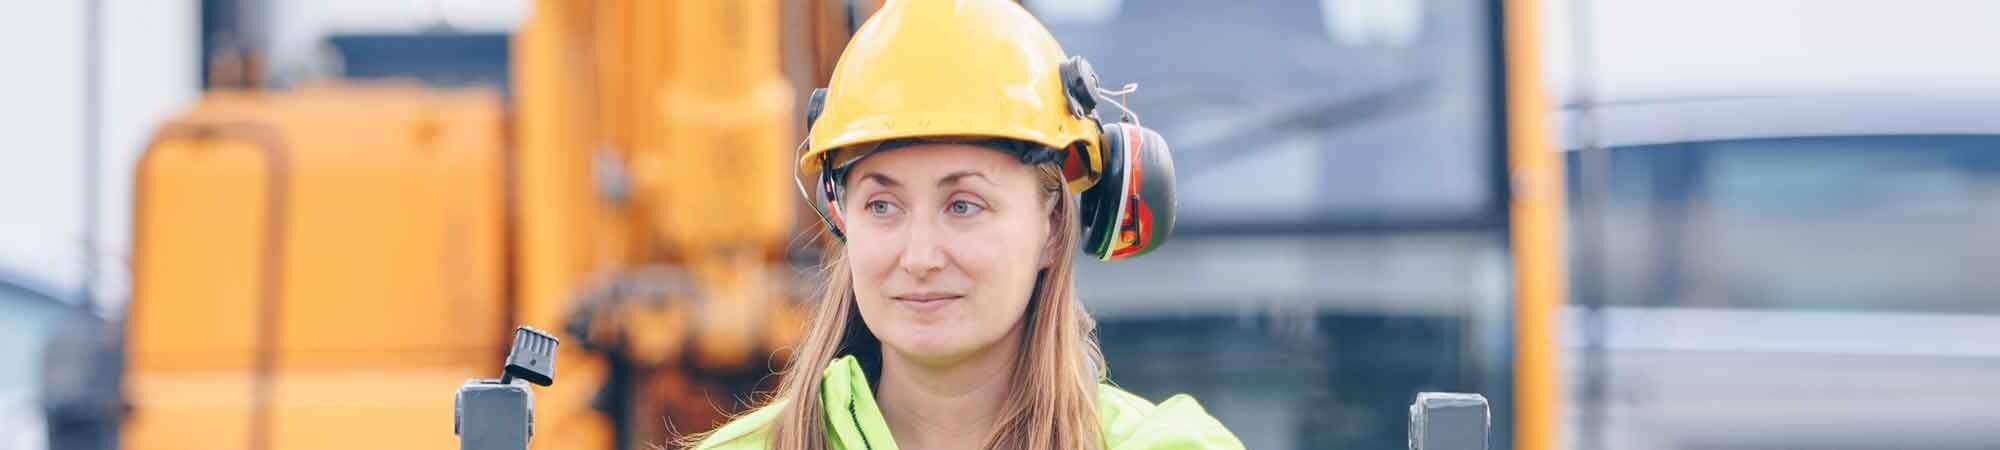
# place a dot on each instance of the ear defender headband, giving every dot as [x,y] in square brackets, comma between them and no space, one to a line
[1128,212]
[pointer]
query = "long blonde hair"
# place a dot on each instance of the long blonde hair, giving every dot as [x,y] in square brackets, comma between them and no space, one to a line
[1052,402]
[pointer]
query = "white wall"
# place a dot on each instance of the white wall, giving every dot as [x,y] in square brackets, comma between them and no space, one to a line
[41,123]
[147,72]
[1699,48]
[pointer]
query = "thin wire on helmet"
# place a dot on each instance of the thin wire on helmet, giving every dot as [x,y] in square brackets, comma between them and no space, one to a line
[1122,91]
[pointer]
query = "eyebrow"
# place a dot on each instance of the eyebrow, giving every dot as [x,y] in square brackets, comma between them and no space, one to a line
[954,177]
[881,179]
[949,179]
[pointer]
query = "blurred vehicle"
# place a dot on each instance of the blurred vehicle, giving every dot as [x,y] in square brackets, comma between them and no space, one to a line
[1780,224]
[36,316]
[1816,266]
[33,313]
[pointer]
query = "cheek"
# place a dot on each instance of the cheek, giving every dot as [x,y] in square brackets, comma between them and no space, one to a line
[1003,262]
[871,262]
[868,254]
[994,256]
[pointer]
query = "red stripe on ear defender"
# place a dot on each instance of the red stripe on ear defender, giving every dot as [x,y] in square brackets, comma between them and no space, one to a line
[832,200]
[833,213]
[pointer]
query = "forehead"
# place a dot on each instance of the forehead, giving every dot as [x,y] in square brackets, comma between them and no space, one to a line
[926,162]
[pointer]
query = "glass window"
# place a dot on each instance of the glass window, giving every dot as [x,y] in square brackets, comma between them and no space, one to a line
[1864,223]
[1302,112]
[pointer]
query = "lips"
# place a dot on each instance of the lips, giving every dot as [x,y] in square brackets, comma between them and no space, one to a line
[927,297]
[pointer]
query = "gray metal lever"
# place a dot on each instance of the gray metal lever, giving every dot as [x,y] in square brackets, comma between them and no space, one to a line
[491,414]
[1449,421]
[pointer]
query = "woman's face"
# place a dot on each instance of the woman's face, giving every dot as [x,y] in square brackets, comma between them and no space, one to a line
[944,241]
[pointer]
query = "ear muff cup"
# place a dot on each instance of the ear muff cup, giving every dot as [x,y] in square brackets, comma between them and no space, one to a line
[815,104]
[827,206]
[1130,211]
[1098,206]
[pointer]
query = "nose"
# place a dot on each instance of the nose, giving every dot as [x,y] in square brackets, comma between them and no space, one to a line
[923,253]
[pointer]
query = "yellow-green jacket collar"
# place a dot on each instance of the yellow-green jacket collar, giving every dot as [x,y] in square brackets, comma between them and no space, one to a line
[854,422]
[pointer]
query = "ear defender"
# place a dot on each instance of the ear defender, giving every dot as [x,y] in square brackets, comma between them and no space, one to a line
[1130,211]
[827,206]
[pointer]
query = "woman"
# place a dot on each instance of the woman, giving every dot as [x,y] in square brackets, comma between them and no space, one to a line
[953,144]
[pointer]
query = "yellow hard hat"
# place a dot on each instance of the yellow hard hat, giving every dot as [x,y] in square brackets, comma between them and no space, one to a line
[986,70]
[950,68]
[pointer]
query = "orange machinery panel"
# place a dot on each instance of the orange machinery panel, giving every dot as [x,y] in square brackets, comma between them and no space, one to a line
[317,268]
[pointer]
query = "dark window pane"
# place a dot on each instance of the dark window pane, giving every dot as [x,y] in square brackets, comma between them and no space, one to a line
[1877,223]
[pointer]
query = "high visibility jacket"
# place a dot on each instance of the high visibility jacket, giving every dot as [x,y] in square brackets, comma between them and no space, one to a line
[853,422]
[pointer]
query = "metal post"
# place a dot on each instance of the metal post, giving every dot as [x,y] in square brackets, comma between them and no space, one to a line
[93,104]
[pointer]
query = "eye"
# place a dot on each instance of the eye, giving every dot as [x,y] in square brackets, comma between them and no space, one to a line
[881,207]
[964,208]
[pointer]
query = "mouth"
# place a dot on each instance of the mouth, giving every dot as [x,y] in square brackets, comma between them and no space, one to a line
[928,297]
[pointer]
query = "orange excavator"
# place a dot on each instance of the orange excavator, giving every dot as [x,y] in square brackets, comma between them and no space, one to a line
[318,267]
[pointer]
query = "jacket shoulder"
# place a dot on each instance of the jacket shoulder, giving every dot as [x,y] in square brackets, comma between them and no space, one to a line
[1133,423]
[746,432]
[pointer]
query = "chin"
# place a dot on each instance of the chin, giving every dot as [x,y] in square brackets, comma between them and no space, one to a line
[935,343]
[929,347]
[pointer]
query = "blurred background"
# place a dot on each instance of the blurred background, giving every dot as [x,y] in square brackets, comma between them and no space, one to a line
[295,224]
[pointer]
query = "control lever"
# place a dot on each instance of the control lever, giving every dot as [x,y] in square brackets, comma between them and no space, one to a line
[490,414]
[1449,421]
